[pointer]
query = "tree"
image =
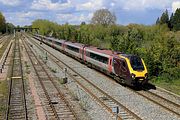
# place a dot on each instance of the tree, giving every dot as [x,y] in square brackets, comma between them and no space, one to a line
[164,18]
[83,23]
[170,25]
[157,21]
[103,17]
[176,20]
[10,27]
[2,23]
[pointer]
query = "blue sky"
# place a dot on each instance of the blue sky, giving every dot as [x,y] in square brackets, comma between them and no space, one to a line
[23,12]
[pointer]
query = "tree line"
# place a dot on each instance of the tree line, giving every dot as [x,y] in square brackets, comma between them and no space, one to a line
[156,44]
[173,22]
[4,26]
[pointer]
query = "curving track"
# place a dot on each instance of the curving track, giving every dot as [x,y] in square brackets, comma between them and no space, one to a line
[55,104]
[100,96]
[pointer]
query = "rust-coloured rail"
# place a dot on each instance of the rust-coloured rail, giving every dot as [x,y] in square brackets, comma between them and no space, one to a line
[16,108]
[149,95]
[88,91]
[43,86]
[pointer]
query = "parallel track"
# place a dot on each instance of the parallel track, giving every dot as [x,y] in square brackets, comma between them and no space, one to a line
[160,101]
[3,60]
[56,105]
[2,39]
[102,98]
[16,108]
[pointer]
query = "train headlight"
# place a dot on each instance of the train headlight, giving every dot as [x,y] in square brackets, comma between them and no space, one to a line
[133,76]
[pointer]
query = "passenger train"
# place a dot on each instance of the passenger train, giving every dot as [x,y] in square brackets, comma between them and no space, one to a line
[125,68]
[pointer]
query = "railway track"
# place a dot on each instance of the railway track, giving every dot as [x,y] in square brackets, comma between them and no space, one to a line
[2,39]
[161,101]
[55,104]
[155,98]
[100,96]
[16,108]
[1,36]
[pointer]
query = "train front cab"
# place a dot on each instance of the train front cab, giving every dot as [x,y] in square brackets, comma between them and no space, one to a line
[131,69]
[138,70]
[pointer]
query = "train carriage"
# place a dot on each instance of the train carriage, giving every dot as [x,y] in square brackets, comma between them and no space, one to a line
[74,49]
[100,59]
[59,44]
[126,68]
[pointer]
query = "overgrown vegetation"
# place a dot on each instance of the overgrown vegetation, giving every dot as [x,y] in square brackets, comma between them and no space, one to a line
[157,44]
[5,27]
[173,22]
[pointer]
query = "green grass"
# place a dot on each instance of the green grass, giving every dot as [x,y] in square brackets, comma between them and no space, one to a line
[173,86]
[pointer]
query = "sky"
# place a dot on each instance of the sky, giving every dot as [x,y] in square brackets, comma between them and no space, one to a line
[24,12]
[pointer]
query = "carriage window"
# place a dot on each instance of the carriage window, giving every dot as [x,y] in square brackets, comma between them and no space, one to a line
[57,43]
[99,58]
[87,53]
[73,48]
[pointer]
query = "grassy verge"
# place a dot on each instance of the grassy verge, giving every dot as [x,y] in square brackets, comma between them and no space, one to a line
[173,86]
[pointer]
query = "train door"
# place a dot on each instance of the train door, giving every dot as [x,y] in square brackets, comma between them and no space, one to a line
[53,44]
[84,54]
[110,64]
[124,68]
[117,66]
[63,46]
[81,53]
[121,69]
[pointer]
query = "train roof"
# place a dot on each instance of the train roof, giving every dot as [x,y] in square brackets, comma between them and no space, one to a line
[74,44]
[100,50]
[92,48]
[58,40]
[128,55]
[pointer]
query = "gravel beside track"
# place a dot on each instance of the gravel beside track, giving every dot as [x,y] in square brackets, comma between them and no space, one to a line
[4,43]
[93,109]
[29,98]
[138,104]
[161,101]
[56,106]
[6,60]
[167,95]
[2,38]
[105,100]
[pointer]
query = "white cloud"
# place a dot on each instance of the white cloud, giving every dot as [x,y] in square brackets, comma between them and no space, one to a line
[22,18]
[175,5]
[76,11]
[145,4]
[91,5]
[48,5]
[74,18]
[10,2]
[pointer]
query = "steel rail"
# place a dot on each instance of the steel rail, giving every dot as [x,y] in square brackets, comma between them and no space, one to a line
[54,84]
[13,88]
[145,95]
[94,96]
